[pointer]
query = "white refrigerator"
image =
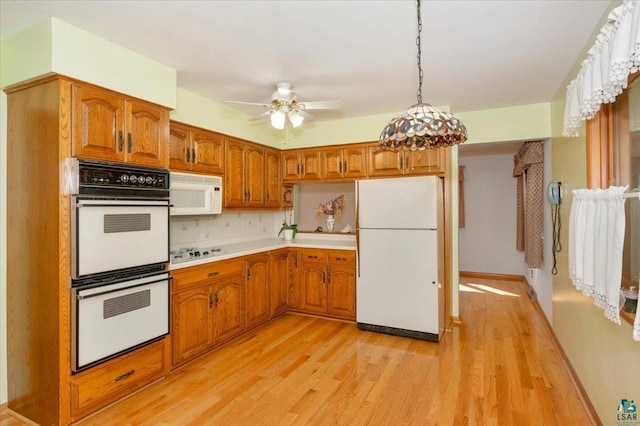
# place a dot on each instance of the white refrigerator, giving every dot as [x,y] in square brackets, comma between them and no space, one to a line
[400,263]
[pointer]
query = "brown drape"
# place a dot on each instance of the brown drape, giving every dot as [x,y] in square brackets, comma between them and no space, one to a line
[461,196]
[528,169]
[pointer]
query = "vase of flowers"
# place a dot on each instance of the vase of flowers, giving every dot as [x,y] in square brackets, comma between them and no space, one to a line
[331,209]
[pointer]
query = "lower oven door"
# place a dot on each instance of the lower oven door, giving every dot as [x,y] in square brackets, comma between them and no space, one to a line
[110,235]
[113,318]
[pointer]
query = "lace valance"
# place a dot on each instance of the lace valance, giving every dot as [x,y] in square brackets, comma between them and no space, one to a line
[604,74]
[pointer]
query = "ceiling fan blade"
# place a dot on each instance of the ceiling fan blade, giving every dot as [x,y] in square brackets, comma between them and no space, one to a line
[249,103]
[307,117]
[261,116]
[322,105]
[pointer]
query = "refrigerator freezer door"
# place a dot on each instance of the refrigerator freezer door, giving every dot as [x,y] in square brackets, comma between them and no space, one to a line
[397,284]
[406,203]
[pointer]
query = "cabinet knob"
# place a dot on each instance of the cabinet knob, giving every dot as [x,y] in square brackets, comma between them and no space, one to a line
[120,141]
[129,143]
[213,274]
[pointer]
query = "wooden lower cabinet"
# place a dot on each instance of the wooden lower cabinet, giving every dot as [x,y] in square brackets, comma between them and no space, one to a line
[325,283]
[101,385]
[207,307]
[192,322]
[228,315]
[279,281]
[257,301]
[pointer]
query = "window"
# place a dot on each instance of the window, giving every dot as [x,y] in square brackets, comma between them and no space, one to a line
[613,155]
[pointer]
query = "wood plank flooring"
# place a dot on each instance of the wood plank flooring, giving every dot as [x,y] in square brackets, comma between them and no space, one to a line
[498,367]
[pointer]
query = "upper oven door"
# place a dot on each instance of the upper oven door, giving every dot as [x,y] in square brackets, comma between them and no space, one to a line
[109,235]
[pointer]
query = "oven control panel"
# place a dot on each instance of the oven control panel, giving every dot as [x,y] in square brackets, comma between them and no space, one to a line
[110,175]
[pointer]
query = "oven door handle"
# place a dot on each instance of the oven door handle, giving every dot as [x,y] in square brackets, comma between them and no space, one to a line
[89,296]
[84,204]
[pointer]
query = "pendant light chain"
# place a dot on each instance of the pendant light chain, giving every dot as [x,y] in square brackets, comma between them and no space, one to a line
[419,44]
[422,126]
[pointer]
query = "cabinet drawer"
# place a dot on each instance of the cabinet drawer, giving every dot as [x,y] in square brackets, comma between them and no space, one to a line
[114,379]
[195,275]
[312,255]
[346,257]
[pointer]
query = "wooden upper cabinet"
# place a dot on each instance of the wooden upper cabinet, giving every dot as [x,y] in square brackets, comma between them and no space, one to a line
[331,163]
[274,194]
[397,163]
[179,147]
[98,124]
[300,165]
[195,150]
[254,180]
[250,175]
[234,186]
[383,162]
[426,162]
[111,127]
[343,163]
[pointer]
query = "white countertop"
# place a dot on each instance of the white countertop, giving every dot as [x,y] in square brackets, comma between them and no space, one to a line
[335,242]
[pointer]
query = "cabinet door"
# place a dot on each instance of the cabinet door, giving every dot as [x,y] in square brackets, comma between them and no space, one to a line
[254,180]
[257,300]
[228,298]
[354,162]
[426,162]
[179,147]
[295,283]
[207,152]
[341,287]
[314,291]
[383,162]
[191,325]
[274,191]
[234,192]
[147,135]
[97,118]
[279,282]
[331,164]
[291,166]
[310,165]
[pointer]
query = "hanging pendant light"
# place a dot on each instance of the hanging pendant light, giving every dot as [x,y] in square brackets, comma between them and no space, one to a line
[422,126]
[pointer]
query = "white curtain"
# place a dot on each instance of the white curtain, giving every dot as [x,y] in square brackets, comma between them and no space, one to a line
[596,240]
[603,75]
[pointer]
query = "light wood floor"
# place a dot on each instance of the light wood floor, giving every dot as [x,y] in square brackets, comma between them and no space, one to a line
[499,367]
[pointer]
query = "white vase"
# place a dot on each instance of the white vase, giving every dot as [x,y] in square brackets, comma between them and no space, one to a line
[330,222]
[288,234]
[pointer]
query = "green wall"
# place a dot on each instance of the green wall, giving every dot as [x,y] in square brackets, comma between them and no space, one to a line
[603,354]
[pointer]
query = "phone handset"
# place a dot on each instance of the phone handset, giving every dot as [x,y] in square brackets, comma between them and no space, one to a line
[553,193]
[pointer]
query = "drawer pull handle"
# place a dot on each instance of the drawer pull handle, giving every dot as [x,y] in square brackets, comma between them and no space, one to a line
[312,257]
[341,258]
[213,274]
[125,375]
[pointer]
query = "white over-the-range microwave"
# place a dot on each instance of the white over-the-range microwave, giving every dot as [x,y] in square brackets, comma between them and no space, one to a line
[193,194]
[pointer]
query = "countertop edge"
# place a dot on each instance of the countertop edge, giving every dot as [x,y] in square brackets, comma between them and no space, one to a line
[269,245]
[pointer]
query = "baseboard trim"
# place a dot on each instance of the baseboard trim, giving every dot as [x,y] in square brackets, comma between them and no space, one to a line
[575,380]
[487,276]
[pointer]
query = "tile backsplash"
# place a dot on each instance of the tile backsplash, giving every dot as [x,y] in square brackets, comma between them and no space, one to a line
[225,228]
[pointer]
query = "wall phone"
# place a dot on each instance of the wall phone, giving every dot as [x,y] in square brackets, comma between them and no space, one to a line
[553,193]
[554,196]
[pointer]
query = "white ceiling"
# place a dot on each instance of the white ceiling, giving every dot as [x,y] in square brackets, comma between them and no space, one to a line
[476,54]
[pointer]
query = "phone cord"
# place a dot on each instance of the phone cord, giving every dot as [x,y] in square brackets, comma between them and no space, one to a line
[557,225]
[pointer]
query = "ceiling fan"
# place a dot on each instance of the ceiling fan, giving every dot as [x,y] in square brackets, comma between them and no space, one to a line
[285,107]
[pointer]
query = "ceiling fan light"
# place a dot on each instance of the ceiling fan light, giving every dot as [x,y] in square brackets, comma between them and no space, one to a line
[277,119]
[295,118]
